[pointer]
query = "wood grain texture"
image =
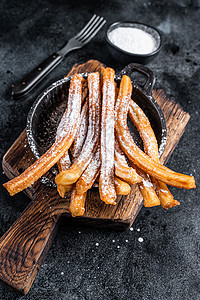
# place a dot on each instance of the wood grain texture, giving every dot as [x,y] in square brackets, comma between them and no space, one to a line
[24,246]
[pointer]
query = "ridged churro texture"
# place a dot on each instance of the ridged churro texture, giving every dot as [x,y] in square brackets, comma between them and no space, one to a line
[101,147]
[74,172]
[66,131]
[134,153]
[106,180]
[151,148]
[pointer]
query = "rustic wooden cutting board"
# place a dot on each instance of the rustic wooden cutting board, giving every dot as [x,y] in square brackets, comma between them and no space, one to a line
[24,246]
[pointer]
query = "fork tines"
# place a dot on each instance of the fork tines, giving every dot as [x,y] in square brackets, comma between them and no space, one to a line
[90,29]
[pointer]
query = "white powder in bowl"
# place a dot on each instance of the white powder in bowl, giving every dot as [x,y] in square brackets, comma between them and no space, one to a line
[133,40]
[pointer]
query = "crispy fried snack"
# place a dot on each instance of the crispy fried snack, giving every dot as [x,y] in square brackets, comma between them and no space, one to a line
[122,187]
[147,190]
[77,203]
[134,153]
[146,186]
[81,134]
[84,92]
[63,164]
[70,176]
[106,180]
[61,145]
[88,177]
[151,148]
[122,169]
[84,183]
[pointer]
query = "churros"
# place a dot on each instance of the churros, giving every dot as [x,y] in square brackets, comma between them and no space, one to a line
[106,179]
[151,148]
[97,141]
[63,164]
[81,134]
[150,144]
[122,187]
[77,203]
[61,145]
[89,176]
[122,169]
[70,176]
[135,154]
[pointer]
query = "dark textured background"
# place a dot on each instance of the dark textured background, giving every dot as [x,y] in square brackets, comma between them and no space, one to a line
[166,264]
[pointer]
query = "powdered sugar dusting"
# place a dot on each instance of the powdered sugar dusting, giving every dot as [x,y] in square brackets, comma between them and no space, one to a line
[81,133]
[57,150]
[106,182]
[147,183]
[89,176]
[90,143]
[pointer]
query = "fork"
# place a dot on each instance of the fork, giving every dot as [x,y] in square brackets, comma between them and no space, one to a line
[24,86]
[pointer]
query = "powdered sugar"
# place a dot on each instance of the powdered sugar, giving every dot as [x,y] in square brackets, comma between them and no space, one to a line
[147,183]
[106,181]
[133,40]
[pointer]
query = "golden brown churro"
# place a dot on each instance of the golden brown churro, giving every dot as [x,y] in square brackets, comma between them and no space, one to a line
[77,204]
[90,174]
[146,186]
[151,148]
[81,134]
[76,147]
[106,179]
[99,142]
[62,144]
[63,164]
[122,187]
[122,169]
[70,176]
[147,190]
[135,154]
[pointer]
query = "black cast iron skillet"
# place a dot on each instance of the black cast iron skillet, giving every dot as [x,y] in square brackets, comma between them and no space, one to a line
[47,110]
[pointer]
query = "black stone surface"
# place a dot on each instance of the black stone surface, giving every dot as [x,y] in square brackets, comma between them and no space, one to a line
[86,263]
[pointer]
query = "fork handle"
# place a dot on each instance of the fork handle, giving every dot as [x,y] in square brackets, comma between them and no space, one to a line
[34,77]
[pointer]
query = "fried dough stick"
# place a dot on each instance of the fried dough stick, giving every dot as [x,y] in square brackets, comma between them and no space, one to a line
[134,153]
[84,183]
[122,169]
[64,163]
[151,148]
[106,179]
[81,134]
[122,187]
[77,203]
[145,185]
[87,179]
[70,176]
[147,189]
[51,157]
[90,174]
